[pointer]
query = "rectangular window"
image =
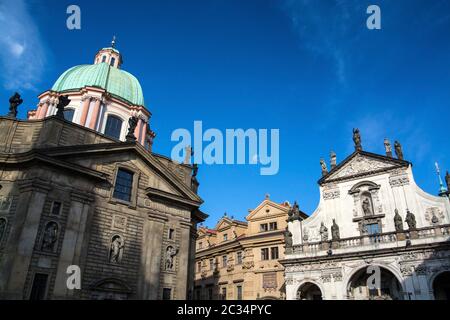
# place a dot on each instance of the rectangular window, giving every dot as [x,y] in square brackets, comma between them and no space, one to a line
[373,228]
[124,185]
[200,245]
[225,237]
[199,266]
[56,208]
[263,227]
[273,226]
[239,292]
[224,293]
[171,233]
[211,264]
[224,261]
[167,294]
[39,287]
[239,257]
[274,253]
[265,254]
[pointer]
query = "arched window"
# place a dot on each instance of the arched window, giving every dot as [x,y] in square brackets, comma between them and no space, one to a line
[68,114]
[113,127]
[113,61]
[104,59]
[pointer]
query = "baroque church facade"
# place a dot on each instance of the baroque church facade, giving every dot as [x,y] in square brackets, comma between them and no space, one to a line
[80,186]
[372,219]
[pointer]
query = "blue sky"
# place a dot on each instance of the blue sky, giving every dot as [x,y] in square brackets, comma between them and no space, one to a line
[309,68]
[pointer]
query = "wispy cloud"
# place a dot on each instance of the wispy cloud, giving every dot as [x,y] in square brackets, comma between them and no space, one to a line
[22,54]
[326,29]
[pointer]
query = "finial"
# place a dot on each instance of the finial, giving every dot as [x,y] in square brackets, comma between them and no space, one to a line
[332,159]
[113,42]
[442,189]
[267,196]
[224,214]
[324,167]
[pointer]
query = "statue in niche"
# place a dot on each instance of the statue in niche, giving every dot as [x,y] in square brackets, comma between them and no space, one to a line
[357,139]
[324,167]
[388,147]
[335,231]
[171,252]
[50,237]
[287,238]
[410,220]
[305,234]
[323,232]
[2,227]
[367,206]
[132,124]
[398,221]
[14,102]
[398,150]
[63,102]
[116,249]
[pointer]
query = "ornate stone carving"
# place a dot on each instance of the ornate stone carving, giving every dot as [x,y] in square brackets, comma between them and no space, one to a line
[327,195]
[325,278]
[119,222]
[248,265]
[116,249]
[171,252]
[337,276]
[398,181]
[50,237]
[360,165]
[434,215]
[294,213]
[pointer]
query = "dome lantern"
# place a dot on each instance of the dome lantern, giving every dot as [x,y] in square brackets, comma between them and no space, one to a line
[109,55]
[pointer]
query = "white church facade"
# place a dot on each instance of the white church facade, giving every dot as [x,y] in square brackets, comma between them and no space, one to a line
[372,219]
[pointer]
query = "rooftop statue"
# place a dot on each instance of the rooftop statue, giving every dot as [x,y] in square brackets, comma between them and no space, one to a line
[388,147]
[398,150]
[14,102]
[357,139]
[132,123]
[398,221]
[63,102]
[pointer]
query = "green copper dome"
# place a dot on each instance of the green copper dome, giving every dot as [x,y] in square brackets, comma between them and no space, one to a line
[117,82]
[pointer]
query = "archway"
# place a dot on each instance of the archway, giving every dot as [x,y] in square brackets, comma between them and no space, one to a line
[389,288]
[441,286]
[309,291]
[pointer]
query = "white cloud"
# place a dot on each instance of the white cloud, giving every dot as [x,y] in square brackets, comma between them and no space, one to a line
[22,53]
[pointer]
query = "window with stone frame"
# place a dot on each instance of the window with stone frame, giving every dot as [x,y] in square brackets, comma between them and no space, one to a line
[265,254]
[224,261]
[273,226]
[39,287]
[239,257]
[274,253]
[239,292]
[171,234]
[263,227]
[199,266]
[224,293]
[68,114]
[113,127]
[225,237]
[56,208]
[211,264]
[124,185]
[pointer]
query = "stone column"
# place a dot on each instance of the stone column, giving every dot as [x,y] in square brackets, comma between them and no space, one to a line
[150,271]
[137,130]
[74,236]
[186,260]
[85,110]
[143,133]
[17,257]
[43,110]
[95,113]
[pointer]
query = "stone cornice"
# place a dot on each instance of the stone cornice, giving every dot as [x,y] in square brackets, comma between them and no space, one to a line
[79,196]
[34,185]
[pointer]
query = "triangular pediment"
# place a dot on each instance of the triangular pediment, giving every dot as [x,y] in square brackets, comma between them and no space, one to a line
[223,223]
[362,163]
[267,209]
